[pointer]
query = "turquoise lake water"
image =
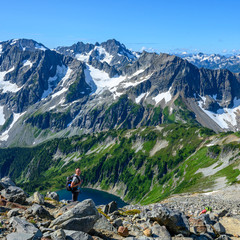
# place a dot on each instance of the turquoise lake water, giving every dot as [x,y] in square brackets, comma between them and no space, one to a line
[99,197]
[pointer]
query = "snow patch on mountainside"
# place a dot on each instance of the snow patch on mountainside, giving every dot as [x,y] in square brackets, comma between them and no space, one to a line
[83,57]
[4,136]
[140,97]
[127,83]
[67,76]
[1,50]
[61,72]
[27,63]
[89,79]
[13,41]
[40,47]
[224,117]
[165,95]
[138,72]
[101,79]
[6,86]
[104,56]
[63,90]
[2,118]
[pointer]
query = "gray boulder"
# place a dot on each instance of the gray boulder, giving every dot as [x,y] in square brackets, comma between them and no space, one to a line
[84,212]
[14,194]
[52,195]
[105,209]
[22,226]
[20,236]
[84,224]
[117,223]
[6,182]
[40,211]
[160,232]
[77,235]
[112,207]
[58,235]
[175,221]
[29,200]
[13,212]
[38,198]
[103,223]
[219,228]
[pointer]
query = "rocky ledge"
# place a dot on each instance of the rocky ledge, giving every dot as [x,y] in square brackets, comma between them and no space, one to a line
[198,216]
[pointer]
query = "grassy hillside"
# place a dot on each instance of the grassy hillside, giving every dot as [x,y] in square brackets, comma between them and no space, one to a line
[142,165]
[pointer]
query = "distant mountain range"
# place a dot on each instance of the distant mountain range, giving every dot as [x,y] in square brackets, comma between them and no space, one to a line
[88,88]
[213,61]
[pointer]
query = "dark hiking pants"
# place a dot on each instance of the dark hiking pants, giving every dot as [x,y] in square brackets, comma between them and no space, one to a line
[75,195]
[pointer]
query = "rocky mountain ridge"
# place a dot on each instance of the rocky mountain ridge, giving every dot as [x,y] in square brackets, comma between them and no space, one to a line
[90,88]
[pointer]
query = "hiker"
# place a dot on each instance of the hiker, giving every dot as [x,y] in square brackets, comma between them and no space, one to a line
[76,182]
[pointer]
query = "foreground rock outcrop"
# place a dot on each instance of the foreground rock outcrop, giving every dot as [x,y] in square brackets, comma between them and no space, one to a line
[180,217]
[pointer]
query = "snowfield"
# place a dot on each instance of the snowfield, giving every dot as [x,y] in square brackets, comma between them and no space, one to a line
[165,95]
[224,117]
[4,136]
[99,80]
[27,63]
[61,72]
[2,118]
[7,86]
[40,47]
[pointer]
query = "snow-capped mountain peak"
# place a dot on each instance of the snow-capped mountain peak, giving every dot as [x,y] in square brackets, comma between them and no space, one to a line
[213,61]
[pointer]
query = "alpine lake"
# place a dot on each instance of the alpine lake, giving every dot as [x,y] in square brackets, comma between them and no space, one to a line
[99,197]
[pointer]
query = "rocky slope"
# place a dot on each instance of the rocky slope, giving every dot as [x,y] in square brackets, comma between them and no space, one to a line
[91,88]
[46,218]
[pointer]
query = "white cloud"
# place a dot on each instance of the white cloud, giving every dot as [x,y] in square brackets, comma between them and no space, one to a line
[143,48]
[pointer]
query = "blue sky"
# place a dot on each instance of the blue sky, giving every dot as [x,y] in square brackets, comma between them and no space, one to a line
[164,26]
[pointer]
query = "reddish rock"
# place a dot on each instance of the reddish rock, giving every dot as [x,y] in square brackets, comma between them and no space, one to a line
[123,231]
[198,225]
[4,202]
[147,232]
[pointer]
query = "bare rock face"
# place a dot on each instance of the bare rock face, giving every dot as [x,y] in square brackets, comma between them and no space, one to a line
[22,226]
[82,217]
[52,195]
[160,232]
[38,198]
[6,182]
[58,235]
[14,194]
[77,235]
[175,221]
[39,211]
[20,236]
